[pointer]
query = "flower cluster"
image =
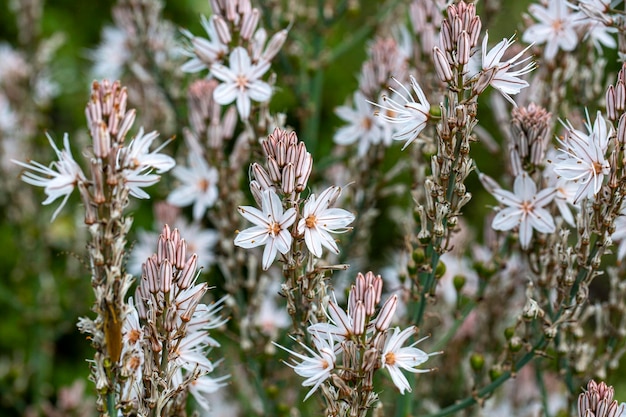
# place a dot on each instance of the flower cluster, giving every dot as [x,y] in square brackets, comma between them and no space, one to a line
[352,345]
[167,335]
[234,37]
[113,162]
[288,166]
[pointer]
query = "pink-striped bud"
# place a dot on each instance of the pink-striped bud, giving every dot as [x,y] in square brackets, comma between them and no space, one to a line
[181,254]
[249,24]
[188,274]
[463,48]
[165,274]
[369,300]
[261,176]
[152,274]
[221,28]
[274,169]
[360,286]
[442,66]
[385,316]
[358,318]
[289,179]
[611,110]
[621,129]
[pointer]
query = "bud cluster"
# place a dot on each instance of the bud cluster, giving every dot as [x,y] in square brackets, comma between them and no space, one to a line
[597,401]
[167,336]
[356,343]
[530,128]
[288,165]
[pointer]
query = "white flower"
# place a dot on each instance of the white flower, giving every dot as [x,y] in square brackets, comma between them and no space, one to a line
[198,186]
[110,57]
[595,19]
[204,385]
[138,156]
[584,161]
[556,28]
[271,227]
[205,51]
[565,189]
[319,220]
[319,366]
[504,80]
[410,116]
[59,179]
[241,82]
[395,357]
[362,125]
[136,179]
[339,326]
[524,209]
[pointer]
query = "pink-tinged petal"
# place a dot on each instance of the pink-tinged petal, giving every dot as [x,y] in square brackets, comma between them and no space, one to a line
[335,218]
[507,219]
[225,93]
[524,187]
[347,135]
[223,73]
[254,215]
[541,220]
[525,233]
[269,254]
[544,197]
[568,40]
[506,197]
[327,240]
[260,91]
[288,218]
[243,104]
[347,114]
[313,243]
[283,241]
[239,61]
[252,237]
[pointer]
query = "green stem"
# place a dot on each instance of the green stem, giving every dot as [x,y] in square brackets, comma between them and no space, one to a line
[485,391]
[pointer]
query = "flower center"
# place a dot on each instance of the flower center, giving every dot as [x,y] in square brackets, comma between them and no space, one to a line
[203,184]
[390,358]
[325,364]
[133,336]
[597,167]
[527,207]
[310,221]
[367,123]
[274,229]
[241,82]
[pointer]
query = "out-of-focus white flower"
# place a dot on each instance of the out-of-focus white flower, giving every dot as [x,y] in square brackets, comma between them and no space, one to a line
[319,220]
[504,79]
[138,155]
[565,189]
[410,116]
[271,227]
[319,366]
[362,126]
[395,357]
[198,186]
[110,57]
[556,28]
[59,179]
[137,179]
[241,82]
[585,162]
[524,208]
[206,52]
[204,385]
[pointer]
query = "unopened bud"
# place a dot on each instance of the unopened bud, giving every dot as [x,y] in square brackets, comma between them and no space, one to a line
[385,316]
[442,66]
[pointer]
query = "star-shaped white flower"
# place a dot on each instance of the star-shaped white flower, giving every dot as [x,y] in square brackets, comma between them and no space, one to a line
[138,156]
[362,125]
[319,220]
[241,82]
[504,79]
[198,186]
[524,208]
[271,227]
[585,161]
[556,28]
[319,366]
[59,179]
[395,357]
[410,116]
